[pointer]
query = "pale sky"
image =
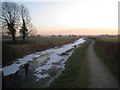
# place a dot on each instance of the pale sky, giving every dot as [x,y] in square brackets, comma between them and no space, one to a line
[74,16]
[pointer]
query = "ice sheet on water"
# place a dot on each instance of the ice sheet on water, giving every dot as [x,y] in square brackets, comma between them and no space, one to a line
[13,68]
[41,76]
[56,58]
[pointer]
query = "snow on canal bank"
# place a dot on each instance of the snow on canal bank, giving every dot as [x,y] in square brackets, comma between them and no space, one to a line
[52,58]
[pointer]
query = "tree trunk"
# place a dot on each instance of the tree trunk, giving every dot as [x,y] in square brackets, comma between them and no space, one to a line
[12,30]
[24,37]
[24,30]
[13,37]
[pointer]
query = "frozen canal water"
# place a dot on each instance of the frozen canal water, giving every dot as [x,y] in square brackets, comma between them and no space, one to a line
[44,67]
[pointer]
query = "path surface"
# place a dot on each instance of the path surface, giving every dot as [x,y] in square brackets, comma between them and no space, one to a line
[100,77]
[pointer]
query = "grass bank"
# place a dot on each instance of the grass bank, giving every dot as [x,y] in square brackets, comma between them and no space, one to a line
[12,50]
[107,49]
[76,73]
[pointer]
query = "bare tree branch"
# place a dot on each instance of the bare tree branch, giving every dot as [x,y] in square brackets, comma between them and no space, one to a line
[10,17]
[26,21]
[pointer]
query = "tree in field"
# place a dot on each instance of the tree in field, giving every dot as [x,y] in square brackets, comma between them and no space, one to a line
[26,21]
[10,17]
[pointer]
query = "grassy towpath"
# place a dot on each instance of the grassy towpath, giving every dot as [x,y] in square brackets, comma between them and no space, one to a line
[76,73]
[84,69]
[100,77]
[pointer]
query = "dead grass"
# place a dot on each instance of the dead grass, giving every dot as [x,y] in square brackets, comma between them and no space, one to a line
[12,50]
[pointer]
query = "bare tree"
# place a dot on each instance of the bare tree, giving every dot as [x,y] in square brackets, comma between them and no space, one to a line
[26,21]
[32,29]
[10,17]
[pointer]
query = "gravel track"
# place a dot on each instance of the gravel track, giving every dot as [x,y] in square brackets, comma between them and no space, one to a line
[100,76]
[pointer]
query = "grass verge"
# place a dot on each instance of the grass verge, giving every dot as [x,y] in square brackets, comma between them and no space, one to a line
[76,73]
[112,66]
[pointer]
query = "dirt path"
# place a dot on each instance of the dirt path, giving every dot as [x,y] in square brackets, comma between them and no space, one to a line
[100,77]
